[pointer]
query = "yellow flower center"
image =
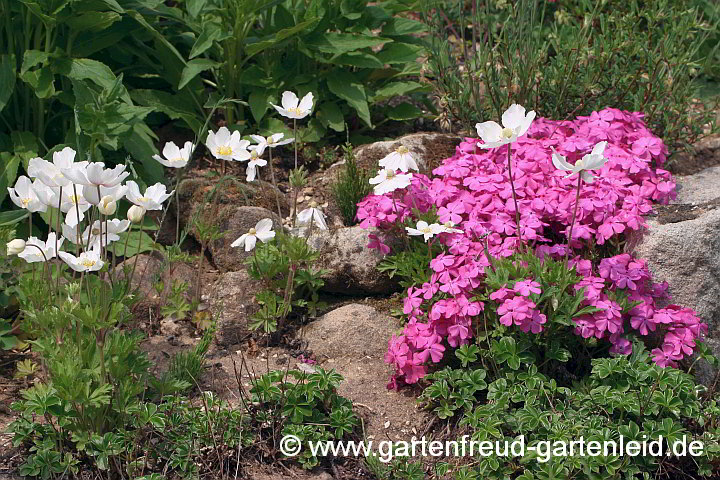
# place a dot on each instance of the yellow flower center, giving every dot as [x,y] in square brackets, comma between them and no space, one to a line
[252,231]
[402,150]
[26,201]
[426,229]
[95,231]
[177,160]
[296,110]
[389,174]
[74,199]
[253,154]
[225,150]
[143,199]
[313,204]
[507,132]
[87,263]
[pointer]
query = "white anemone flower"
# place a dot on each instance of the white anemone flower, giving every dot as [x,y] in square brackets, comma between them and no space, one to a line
[74,206]
[52,173]
[426,230]
[389,180]
[274,140]
[96,175]
[174,156]
[15,246]
[152,199]
[226,146]
[262,231]
[515,123]
[103,235]
[312,215]
[24,196]
[47,195]
[90,192]
[590,161]
[399,159]
[251,169]
[88,261]
[292,108]
[34,246]
[449,227]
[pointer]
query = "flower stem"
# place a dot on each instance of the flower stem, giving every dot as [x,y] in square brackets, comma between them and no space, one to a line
[572,223]
[277,191]
[46,267]
[514,196]
[57,234]
[296,140]
[137,254]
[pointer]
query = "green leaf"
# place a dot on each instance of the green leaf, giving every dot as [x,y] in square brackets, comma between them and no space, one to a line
[400,53]
[8,173]
[12,217]
[145,244]
[32,58]
[7,78]
[358,59]
[403,26]
[338,43]
[25,145]
[92,21]
[176,106]
[210,33]
[193,69]
[194,7]
[396,88]
[42,82]
[140,144]
[344,85]
[272,40]
[404,111]
[330,115]
[258,101]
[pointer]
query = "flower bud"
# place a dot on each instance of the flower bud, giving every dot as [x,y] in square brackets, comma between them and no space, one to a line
[15,246]
[107,205]
[135,214]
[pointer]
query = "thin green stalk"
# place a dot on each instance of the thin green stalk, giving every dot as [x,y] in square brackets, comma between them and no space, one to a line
[514,196]
[572,223]
[272,176]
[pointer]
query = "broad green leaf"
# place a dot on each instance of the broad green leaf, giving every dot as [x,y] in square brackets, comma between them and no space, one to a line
[344,85]
[404,111]
[358,59]
[176,106]
[11,217]
[194,7]
[210,33]
[7,78]
[87,69]
[403,26]
[32,58]
[330,115]
[92,21]
[273,40]
[140,144]
[41,81]
[8,173]
[137,242]
[258,101]
[114,5]
[396,88]
[88,43]
[25,145]
[193,69]
[400,53]
[338,43]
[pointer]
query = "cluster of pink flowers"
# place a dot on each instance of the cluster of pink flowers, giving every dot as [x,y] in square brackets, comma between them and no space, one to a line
[472,190]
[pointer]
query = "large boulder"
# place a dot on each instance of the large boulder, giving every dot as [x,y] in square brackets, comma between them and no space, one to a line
[230,300]
[682,247]
[353,340]
[429,149]
[352,267]
[232,222]
[153,268]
